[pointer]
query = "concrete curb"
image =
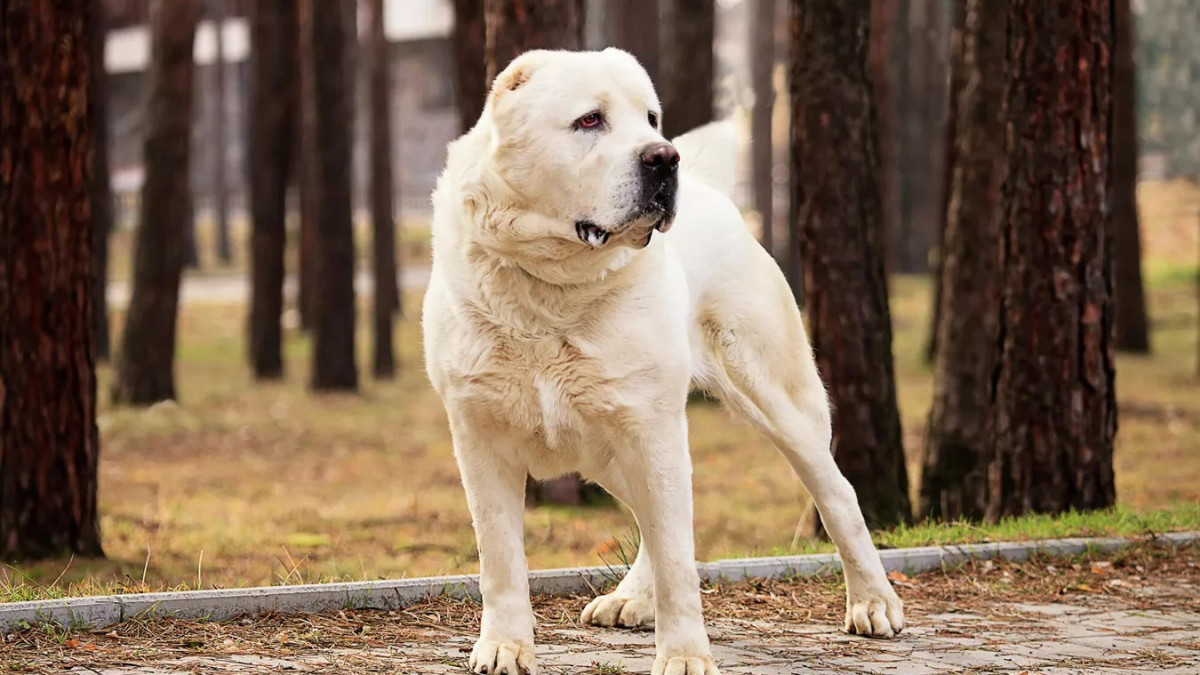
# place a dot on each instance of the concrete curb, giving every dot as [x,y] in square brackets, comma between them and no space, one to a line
[100,611]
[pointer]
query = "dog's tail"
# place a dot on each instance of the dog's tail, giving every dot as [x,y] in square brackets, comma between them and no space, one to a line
[709,152]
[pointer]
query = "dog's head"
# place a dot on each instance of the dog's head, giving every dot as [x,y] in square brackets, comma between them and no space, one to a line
[577,137]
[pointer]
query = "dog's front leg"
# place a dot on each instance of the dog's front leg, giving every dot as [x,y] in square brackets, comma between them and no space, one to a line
[655,466]
[495,485]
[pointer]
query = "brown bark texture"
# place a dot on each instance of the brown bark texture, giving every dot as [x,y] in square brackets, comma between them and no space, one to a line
[834,157]
[470,65]
[145,369]
[48,438]
[888,67]
[101,189]
[306,176]
[273,98]
[633,25]
[688,65]
[386,301]
[220,141]
[516,26]
[762,164]
[1132,325]
[1053,400]
[332,27]
[953,482]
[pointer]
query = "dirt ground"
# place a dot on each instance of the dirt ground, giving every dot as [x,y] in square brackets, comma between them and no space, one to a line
[1138,609]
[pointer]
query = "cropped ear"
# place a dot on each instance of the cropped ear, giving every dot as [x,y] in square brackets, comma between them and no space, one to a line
[518,72]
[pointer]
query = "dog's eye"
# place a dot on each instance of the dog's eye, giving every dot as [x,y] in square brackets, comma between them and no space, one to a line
[653,118]
[589,121]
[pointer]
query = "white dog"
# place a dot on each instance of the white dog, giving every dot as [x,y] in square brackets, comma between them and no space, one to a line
[562,334]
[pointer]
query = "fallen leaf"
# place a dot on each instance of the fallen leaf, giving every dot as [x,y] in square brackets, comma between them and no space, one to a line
[897,576]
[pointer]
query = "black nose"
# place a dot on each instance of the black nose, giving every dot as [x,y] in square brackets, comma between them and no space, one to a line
[660,159]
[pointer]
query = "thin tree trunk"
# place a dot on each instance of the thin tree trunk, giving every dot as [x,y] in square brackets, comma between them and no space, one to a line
[220,141]
[332,26]
[953,483]
[688,64]
[273,99]
[470,65]
[1132,325]
[48,439]
[633,25]
[762,164]
[1054,406]
[834,155]
[383,223]
[307,176]
[101,191]
[145,371]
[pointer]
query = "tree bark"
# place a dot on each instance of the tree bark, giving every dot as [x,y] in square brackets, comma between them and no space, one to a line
[633,25]
[888,67]
[48,438]
[953,483]
[688,65]
[383,248]
[101,191]
[273,99]
[1132,325]
[145,371]
[332,26]
[306,176]
[220,188]
[516,26]
[834,156]
[1052,395]
[762,164]
[470,65]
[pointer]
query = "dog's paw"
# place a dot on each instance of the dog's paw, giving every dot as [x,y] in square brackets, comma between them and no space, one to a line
[875,613]
[503,658]
[619,610]
[685,665]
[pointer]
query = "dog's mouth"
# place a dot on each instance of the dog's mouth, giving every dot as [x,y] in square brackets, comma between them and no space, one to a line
[658,212]
[591,234]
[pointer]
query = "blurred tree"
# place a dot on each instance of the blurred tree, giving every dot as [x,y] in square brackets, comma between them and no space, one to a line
[1052,393]
[220,142]
[1132,326]
[953,483]
[383,247]
[516,26]
[687,66]
[888,67]
[101,191]
[332,28]
[273,98]
[145,369]
[633,25]
[470,65]
[306,176]
[1169,83]
[834,157]
[762,81]
[48,439]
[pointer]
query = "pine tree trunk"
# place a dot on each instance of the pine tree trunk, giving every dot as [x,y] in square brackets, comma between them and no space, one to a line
[1053,400]
[48,439]
[887,58]
[332,25]
[953,483]
[633,25]
[762,164]
[383,248]
[685,85]
[220,141]
[470,65]
[101,190]
[1132,326]
[306,176]
[516,26]
[834,155]
[273,99]
[145,371]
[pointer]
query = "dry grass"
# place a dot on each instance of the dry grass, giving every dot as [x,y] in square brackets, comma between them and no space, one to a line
[245,484]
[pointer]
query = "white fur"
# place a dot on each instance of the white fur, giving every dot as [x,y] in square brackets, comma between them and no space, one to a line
[552,355]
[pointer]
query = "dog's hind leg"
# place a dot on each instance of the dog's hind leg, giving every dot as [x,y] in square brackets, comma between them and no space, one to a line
[631,603]
[758,360]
